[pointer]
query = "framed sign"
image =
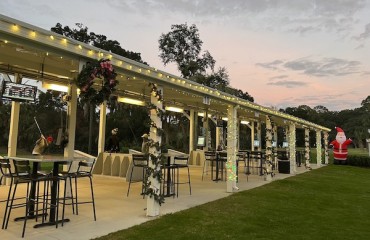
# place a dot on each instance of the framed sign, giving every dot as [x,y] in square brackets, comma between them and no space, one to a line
[17,91]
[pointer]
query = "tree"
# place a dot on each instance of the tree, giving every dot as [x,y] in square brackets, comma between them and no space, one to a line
[82,34]
[182,45]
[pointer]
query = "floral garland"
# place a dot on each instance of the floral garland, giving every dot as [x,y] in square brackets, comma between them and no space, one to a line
[101,69]
[156,157]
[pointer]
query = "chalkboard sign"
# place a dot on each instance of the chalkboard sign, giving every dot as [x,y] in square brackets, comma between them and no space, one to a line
[16,91]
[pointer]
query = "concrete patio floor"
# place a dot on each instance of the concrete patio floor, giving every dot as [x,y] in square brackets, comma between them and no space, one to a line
[115,211]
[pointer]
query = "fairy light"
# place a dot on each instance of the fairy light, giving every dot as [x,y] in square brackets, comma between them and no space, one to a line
[231,146]
[307,147]
[318,147]
[326,147]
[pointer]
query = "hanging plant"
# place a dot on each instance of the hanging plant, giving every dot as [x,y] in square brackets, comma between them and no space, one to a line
[93,71]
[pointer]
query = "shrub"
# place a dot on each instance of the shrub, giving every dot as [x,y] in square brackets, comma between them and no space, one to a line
[357,160]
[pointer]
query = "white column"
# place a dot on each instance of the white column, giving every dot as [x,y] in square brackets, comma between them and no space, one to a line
[268,162]
[206,127]
[152,203]
[274,149]
[326,147]
[71,116]
[219,134]
[191,131]
[292,140]
[307,147]
[231,148]
[318,148]
[102,123]
[252,136]
[237,134]
[259,136]
[14,122]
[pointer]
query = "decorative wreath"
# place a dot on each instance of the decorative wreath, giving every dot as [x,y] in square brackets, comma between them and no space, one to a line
[101,69]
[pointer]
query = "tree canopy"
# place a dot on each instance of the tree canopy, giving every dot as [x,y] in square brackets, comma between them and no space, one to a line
[183,46]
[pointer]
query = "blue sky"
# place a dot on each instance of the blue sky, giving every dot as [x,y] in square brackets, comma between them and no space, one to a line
[284,53]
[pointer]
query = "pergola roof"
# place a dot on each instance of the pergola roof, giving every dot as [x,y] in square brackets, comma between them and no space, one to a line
[49,57]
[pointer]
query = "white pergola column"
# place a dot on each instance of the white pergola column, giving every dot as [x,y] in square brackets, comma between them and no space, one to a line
[219,135]
[102,124]
[268,162]
[274,149]
[237,135]
[259,136]
[326,135]
[71,113]
[152,204]
[14,123]
[307,147]
[318,148]
[252,136]
[191,130]
[231,148]
[292,140]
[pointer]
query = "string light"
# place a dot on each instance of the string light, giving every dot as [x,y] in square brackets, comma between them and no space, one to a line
[33,34]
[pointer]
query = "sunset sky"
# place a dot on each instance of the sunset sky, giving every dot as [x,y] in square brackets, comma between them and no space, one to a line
[284,53]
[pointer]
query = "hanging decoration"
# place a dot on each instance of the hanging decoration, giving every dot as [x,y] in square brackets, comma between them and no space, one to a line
[155,152]
[93,71]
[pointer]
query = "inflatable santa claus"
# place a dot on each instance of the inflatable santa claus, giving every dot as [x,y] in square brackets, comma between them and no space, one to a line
[340,147]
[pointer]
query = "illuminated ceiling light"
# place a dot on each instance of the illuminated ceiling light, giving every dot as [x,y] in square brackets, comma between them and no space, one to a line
[244,122]
[55,87]
[79,46]
[131,101]
[33,34]
[225,119]
[51,37]
[174,109]
[64,41]
[15,27]
[5,41]
[47,54]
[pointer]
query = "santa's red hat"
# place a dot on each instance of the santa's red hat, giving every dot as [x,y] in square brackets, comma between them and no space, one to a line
[339,129]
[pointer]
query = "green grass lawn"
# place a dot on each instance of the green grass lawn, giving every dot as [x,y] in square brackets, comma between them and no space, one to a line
[328,203]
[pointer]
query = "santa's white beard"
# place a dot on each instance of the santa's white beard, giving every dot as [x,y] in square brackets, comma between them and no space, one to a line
[341,139]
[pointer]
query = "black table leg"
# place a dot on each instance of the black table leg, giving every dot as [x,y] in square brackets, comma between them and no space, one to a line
[53,201]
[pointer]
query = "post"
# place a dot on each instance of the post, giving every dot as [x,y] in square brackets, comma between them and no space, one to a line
[152,203]
[318,148]
[292,140]
[71,113]
[268,161]
[259,136]
[191,131]
[252,136]
[102,124]
[14,123]
[231,148]
[326,147]
[307,147]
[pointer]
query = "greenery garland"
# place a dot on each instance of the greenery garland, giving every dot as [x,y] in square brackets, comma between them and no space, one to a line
[157,159]
[101,69]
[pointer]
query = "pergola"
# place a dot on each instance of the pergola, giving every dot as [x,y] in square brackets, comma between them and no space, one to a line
[31,52]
